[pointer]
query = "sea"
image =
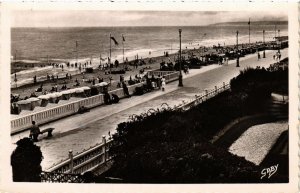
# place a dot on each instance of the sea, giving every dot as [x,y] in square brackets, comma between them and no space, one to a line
[58,45]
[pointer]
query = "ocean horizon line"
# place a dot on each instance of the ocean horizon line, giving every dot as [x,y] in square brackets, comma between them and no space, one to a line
[266,22]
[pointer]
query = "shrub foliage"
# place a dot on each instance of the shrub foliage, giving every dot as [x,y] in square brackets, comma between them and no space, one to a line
[169,146]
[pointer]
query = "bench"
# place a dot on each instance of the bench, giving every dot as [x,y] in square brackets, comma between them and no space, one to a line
[49,130]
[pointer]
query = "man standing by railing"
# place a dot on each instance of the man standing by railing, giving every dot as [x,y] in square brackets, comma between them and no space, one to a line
[34,132]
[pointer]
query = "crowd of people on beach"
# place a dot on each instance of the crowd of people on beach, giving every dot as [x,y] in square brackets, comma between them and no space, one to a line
[206,55]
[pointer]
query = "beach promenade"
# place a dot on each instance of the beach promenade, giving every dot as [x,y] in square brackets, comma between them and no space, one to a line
[81,131]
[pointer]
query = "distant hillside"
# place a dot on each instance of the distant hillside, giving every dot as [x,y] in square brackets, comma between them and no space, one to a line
[252,23]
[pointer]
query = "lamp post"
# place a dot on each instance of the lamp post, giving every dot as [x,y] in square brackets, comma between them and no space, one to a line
[180,74]
[237,50]
[264,52]
[279,40]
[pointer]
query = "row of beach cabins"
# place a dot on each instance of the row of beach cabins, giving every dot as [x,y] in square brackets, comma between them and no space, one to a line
[43,100]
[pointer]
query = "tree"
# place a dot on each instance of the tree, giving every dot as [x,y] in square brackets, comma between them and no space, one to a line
[26,161]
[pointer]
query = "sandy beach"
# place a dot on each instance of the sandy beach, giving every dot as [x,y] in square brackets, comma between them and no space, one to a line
[25,86]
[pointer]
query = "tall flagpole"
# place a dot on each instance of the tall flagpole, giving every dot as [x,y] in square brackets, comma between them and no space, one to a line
[76,53]
[237,49]
[180,73]
[15,55]
[123,51]
[109,53]
[100,55]
[249,29]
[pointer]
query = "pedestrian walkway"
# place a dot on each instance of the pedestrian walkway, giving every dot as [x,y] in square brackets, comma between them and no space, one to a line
[79,132]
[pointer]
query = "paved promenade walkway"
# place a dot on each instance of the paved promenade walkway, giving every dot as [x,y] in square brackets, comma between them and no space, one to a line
[81,131]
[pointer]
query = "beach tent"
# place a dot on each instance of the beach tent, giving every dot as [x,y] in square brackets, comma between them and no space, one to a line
[95,89]
[54,97]
[35,102]
[44,100]
[66,94]
[79,92]
[72,92]
[87,91]
[103,87]
[24,105]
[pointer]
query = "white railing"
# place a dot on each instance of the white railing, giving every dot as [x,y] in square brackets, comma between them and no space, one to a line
[88,160]
[97,156]
[204,97]
[50,114]
[159,73]
[172,76]
[169,75]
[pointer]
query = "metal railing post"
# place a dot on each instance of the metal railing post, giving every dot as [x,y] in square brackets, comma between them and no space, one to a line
[104,147]
[71,163]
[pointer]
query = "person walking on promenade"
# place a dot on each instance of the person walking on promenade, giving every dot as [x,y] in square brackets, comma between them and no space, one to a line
[163,84]
[258,55]
[34,132]
[159,82]
[34,79]
[125,89]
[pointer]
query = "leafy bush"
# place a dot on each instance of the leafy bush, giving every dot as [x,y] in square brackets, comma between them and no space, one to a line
[172,147]
[25,161]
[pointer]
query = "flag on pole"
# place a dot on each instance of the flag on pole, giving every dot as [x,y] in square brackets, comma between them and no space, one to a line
[123,38]
[115,41]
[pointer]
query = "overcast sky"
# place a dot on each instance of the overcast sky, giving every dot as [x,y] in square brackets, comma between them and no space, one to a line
[135,18]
